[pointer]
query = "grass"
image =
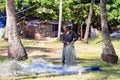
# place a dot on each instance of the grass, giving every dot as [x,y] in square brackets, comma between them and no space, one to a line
[87,55]
[3,43]
[3,58]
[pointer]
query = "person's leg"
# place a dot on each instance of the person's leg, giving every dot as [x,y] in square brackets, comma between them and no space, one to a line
[63,57]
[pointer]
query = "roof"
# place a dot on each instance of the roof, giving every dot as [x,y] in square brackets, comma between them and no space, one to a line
[54,21]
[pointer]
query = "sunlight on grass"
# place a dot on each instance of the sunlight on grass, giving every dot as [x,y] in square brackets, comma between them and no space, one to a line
[87,55]
[3,43]
[29,60]
[116,44]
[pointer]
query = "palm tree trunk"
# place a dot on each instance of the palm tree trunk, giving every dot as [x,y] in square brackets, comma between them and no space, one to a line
[81,32]
[85,40]
[15,48]
[108,52]
[60,20]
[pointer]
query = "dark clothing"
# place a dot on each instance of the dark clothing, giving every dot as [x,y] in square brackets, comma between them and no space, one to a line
[72,36]
[68,38]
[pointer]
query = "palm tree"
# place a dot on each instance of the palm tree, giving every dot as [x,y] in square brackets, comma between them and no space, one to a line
[108,52]
[85,40]
[15,47]
[60,20]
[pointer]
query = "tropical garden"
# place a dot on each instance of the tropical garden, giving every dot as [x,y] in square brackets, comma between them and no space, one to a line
[102,51]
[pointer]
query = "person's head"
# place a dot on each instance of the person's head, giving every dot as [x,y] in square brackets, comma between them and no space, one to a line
[66,28]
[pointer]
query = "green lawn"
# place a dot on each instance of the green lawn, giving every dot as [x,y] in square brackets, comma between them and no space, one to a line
[87,55]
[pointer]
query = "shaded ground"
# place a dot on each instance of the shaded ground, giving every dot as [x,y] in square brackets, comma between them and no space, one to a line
[54,49]
[87,55]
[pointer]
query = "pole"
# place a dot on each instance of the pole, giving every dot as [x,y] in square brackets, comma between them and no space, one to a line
[60,20]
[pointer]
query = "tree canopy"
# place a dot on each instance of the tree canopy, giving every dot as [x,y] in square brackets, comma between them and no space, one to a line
[73,10]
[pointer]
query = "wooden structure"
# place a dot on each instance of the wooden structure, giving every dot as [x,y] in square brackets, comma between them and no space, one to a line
[39,29]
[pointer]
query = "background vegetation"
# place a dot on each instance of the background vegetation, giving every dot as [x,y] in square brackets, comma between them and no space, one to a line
[73,10]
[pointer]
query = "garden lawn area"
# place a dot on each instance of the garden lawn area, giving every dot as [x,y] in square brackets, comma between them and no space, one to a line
[87,55]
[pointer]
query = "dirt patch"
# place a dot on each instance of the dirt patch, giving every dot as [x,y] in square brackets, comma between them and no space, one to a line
[51,49]
[3,51]
[36,52]
[88,48]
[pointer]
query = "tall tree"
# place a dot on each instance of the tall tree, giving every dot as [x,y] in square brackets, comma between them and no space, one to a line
[15,47]
[85,40]
[60,19]
[108,52]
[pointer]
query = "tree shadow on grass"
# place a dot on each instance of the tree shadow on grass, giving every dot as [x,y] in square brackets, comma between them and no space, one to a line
[84,60]
[3,58]
[40,56]
[79,60]
[41,76]
[111,72]
[39,48]
[55,60]
[108,69]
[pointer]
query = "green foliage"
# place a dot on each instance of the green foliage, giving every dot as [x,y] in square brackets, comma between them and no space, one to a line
[73,10]
[2,4]
[113,12]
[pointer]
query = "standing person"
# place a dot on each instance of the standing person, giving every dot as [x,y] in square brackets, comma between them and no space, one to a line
[68,53]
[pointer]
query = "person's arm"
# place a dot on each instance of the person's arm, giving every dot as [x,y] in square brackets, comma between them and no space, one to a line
[75,37]
[63,38]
